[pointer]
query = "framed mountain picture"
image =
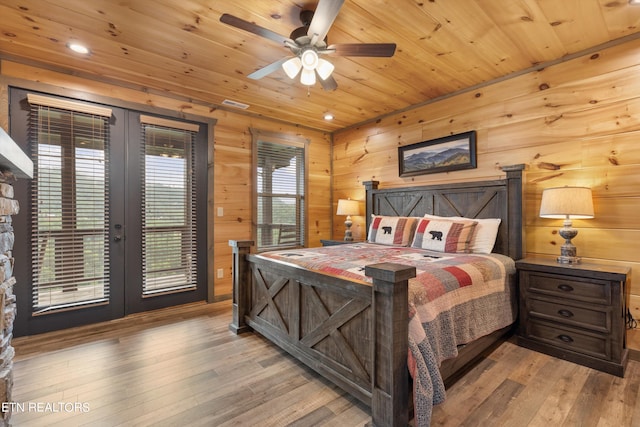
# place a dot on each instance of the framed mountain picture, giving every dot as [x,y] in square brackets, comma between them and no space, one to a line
[449,153]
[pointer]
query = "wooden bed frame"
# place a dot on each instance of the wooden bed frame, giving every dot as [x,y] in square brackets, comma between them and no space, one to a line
[355,333]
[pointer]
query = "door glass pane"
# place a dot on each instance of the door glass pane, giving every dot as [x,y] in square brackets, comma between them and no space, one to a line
[280,195]
[69,209]
[168,212]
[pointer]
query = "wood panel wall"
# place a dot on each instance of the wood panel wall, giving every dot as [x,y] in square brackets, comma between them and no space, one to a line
[230,157]
[574,123]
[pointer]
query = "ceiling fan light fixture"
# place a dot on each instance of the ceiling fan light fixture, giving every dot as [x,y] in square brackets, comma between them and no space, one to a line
[308,77]
[324,68]
[292,67]
[309,59]
[308,42]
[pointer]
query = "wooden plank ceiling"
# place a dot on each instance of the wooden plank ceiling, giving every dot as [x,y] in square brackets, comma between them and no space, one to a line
[181,49]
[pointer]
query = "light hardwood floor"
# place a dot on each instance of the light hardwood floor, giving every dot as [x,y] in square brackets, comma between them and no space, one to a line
[182,366]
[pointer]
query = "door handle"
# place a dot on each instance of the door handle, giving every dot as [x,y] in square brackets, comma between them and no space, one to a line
[117,237]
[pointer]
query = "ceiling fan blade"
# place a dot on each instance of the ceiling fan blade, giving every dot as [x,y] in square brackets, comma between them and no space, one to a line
[329,84]
[323,18]
[264,71]
[234,21]
[363,49]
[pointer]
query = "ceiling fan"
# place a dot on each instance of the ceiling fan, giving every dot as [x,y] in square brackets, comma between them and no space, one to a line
[307,43]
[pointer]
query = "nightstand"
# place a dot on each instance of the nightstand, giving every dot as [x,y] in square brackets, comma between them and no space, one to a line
[575,312]
[326,242]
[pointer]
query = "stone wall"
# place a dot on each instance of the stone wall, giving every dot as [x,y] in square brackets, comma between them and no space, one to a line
[8,208]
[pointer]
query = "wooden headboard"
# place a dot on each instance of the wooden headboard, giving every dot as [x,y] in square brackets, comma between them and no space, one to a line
[481,199]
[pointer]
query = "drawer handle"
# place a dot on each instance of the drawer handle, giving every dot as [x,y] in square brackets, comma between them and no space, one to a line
[565,313]
[565,338]
[565,288]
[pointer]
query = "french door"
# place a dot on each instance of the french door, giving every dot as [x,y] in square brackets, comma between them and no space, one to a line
[114,219]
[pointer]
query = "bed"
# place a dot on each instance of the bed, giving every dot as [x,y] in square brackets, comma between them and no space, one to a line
[355,332]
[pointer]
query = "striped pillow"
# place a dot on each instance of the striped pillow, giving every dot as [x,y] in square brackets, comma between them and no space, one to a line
[485,235]
[443,235]
[392,230]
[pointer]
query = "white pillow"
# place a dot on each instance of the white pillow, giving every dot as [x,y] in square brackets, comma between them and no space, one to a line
[486,232]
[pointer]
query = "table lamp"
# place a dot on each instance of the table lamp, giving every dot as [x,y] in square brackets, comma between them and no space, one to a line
[348,207]
[567,203]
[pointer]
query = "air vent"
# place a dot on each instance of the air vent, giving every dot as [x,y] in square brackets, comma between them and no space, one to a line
[235,104]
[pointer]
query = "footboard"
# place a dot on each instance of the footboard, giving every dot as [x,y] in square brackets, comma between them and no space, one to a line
[353,333]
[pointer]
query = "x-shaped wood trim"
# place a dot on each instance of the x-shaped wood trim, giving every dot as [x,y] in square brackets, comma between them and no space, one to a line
[468,211]
[406,209]
[267,295]
[329,325]
[386,201]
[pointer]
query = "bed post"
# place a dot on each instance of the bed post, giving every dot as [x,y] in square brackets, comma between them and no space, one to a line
[368,186]
[390,378]
[241,285]
[515,211]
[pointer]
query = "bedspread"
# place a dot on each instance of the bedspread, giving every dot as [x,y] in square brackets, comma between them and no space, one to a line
[453,300]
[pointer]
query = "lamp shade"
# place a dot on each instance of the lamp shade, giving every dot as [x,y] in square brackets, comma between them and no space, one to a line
[307,77]
[566,202]
[292,67]
[348,207]
[324,68]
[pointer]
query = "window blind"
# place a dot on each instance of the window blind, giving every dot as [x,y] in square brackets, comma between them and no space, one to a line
[169,257]
[69,206]
[280,195]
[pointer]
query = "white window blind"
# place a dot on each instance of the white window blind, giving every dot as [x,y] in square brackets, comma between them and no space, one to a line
[69,197]
[169,257]
[280,195]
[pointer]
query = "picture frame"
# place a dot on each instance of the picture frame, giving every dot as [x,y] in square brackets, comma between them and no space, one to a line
[449,153]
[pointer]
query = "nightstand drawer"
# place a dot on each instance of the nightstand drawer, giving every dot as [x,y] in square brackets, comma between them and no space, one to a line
[591,290]
[570,339]
[596,320]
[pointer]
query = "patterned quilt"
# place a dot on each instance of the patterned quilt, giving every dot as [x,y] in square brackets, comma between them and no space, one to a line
[453,300]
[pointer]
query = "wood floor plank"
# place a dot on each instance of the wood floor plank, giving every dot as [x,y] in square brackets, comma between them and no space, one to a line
[522,409]
[495,404]
[354,416]
[593,394]
[635,401]
[566,389]
[618,409]
[294,404]
[182,366]
[464,397]
[529,367]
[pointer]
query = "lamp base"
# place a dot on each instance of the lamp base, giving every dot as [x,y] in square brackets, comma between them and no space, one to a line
[569,259]
[568,250]
[348,237]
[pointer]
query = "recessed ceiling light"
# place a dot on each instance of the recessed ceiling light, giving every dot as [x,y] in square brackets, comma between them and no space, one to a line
[78,48]
[328,116]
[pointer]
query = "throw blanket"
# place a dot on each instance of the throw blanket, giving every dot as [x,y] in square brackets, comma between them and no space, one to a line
[453,300]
